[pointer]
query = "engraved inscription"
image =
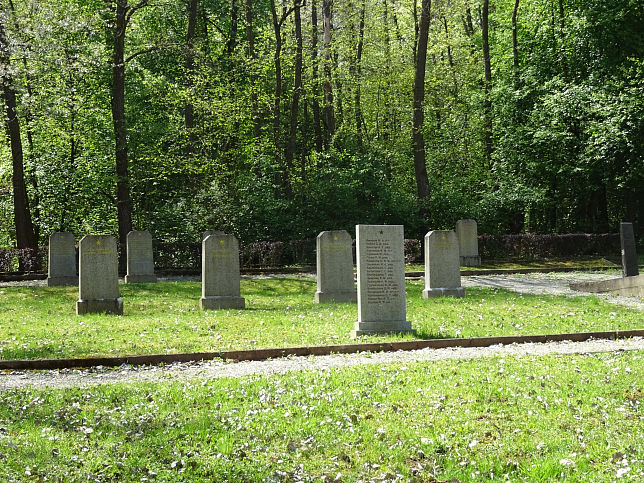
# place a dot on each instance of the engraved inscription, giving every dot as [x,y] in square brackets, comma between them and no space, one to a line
[382,286]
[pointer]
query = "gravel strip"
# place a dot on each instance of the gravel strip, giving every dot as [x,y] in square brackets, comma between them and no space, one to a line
[214,369]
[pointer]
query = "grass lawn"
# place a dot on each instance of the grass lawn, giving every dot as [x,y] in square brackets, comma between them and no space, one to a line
[40,322]
[548,418]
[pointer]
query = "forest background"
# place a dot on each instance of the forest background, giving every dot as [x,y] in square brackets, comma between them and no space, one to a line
[277,119]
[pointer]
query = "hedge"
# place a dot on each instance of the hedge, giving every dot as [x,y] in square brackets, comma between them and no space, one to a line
[267,254]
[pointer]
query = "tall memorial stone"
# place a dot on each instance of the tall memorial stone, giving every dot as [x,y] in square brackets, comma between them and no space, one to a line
[468,243]
[62,260]
[629,253]
[381,280]
[140,261]
[220,275]
[98,282]
[334,258]
[442,268]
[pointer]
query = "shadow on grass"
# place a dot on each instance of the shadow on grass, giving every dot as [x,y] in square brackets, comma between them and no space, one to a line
[424,334]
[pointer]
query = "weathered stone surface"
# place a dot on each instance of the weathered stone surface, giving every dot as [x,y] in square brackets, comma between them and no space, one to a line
[62,260]
[140,261]
[334,268]
[629,253]
[381,280]
[98,287]
[442,270]
[468,243]
[220,276]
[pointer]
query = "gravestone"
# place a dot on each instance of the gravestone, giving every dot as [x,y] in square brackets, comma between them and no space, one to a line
[629,254]
[140,262]
[334,258]
[381,280]
[207,233]
[220,275]
[62,260]
[98,282]
[468,243]
[442,270]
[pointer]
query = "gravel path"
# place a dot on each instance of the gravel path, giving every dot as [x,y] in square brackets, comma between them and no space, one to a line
[551,284]
[212,369]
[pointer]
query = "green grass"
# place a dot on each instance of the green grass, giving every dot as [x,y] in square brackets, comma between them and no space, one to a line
[40,322]
[549,418]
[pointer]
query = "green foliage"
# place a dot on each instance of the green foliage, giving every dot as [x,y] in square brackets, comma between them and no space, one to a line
[568,129]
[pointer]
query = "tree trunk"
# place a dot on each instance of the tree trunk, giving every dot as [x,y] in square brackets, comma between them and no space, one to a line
[232,38]
[358,93]
[123,201]
[250,38]
[420,166]
[297,90]
[317,122]
[329,114]
[190,67]
[487,82]
[25,236]
[515,44]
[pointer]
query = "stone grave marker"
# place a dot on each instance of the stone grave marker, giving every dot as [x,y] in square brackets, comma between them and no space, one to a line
[140,262]
[62,260]
[220,275]
[334,258]
[381,280]
[442,269]
[207,233]
[468,243]
[629,253]
[98,287]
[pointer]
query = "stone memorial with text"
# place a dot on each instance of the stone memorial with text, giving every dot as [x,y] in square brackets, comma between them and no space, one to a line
[140,261]
[468,243]
[98,282]
[220,276]
[62,260]
[629,253]
[334,258]
[442,268]
[381,280]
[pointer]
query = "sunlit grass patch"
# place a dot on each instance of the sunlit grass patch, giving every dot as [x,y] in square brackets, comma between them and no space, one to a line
[548,418]
[40,322]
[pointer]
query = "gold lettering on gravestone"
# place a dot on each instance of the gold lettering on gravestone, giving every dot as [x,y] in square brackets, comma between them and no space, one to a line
[381,285]
[222,251]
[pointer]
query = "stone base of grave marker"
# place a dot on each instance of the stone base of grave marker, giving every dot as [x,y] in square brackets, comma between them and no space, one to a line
[100,306]
[140,279]
[430,293]
[471,261]
[381,327]
[222,302]
[59,281]
[335,297]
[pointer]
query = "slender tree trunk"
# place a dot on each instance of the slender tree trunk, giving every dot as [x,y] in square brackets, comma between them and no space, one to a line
[388,120]
[297,89]
[329,114]
[358,92]
[277,94]
[315,105]
[420,166]
[488,81]
[123,200]
[232,38]
[515,44]
[190,67]
[25,236]
[252,54]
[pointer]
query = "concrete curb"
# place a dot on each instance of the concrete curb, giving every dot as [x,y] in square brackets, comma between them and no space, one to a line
[272,353]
